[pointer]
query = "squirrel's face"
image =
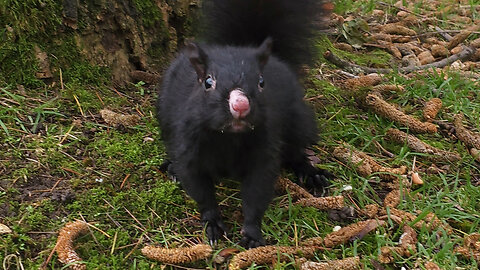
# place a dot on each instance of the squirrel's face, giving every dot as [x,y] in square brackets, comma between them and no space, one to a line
[231,83]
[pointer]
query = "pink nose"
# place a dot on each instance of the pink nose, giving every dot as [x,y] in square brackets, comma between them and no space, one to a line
[239,104]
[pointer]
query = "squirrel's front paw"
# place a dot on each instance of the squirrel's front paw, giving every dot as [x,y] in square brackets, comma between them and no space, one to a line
[214,227]
[315,180]
[252,237]
[318,182]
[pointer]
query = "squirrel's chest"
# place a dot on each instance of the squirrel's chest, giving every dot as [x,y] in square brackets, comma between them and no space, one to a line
[228,157]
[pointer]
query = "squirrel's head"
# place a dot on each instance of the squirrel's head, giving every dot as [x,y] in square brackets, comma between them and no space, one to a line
[230,83]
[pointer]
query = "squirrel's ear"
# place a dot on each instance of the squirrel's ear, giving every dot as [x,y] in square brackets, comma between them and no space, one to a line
[198,58]
[264,51]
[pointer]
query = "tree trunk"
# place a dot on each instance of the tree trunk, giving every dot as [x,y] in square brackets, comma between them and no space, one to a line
[43,37]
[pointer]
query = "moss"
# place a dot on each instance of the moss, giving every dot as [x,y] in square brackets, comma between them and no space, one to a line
[31,17]
[22,23]
[150,13]
[161,197]
[18,64]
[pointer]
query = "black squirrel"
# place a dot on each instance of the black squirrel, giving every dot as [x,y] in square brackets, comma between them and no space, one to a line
[233,107]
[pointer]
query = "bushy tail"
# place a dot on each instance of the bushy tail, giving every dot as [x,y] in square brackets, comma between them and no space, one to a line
[291,23]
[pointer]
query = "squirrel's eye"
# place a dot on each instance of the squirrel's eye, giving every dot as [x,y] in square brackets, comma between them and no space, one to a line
[261,82]
[209,82]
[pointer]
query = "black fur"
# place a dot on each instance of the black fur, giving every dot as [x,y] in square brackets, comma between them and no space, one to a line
[196,124]
[291,24]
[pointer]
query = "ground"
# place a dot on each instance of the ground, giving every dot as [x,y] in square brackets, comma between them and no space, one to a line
[61,161]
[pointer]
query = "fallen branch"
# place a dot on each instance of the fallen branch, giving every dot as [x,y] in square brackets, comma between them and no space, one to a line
[464,54]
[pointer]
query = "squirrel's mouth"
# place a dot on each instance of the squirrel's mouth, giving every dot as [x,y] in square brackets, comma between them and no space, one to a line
[238,126]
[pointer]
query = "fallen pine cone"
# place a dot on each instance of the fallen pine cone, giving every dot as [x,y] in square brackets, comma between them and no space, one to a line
[370,210]
[269,254]
[115,119]
[396,29]
[471,247]
[362,81]
[323,203]
[432,266]
[391,38]
[460,37]
[406,247]
[344,264]
[177,255]
[475,154]
[64,247]
[417,145]
[351,232]
[472,140]
[440,51]
[392,199]
[383,108]
[426,57]
[365,165]
[284,185]
[386,88]
[430,221]
[431,109]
